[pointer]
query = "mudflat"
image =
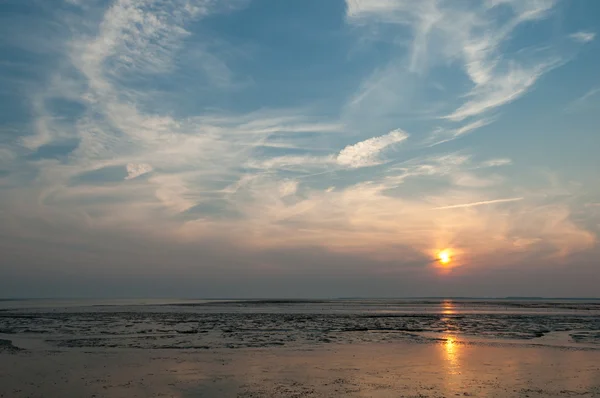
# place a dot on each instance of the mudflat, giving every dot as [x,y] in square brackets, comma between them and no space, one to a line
[444,369]
[338,348]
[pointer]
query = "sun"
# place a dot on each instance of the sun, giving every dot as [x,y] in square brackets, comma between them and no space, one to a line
[445,257]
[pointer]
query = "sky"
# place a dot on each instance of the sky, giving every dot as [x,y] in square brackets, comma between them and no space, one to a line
[302,148]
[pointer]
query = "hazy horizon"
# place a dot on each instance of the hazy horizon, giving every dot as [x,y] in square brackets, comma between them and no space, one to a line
[299,299]
[299,149]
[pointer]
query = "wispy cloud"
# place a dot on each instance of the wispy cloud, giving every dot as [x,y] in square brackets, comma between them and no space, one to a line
[500,90]
[447,32]
[291,162]
[585,102]
[441,135]
[6,155]
[496,162]
[482,203]
[365,218]
[583,36]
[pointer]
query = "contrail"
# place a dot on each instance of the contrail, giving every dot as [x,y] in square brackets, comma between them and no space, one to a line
[486,202]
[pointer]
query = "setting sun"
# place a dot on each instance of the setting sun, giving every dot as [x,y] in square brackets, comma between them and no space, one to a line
[444,257]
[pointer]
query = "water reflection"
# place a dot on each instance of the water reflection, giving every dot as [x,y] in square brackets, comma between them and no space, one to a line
[451,348]
[452,362]
[448,307]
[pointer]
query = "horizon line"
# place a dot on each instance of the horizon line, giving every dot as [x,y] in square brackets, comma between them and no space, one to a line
[308,298]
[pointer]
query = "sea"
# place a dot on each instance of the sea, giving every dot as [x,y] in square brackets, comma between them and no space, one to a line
[189,324]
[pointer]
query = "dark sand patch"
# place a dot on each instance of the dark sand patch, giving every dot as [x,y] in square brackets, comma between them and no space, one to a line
[6,346]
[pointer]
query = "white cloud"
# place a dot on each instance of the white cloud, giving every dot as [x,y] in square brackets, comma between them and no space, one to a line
[435,165]
[465,179]
[174,192]
[138,36]
[442,135]
[367,153]
[480,203]
[496,162]
[583,36]
[288,188]
[290,161]
[375,8]
[362,154]
[137,169]
[276,127]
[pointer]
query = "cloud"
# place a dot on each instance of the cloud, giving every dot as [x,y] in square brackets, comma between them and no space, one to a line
[174,192]
[289,162]
[583,36]
[137,169]
[481,203]
[441,135]
[6,155]
[366,218]
[496,162]
[192,158]
[136,36]
[256,177]
[585,102]
[362,154]
[447,33]
[467,179]
[500,90]
[288,188]
[440,165]
[367,153]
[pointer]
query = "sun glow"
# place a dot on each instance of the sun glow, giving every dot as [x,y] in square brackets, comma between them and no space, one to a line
[445,257]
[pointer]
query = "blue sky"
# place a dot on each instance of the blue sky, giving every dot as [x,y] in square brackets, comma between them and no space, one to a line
[299,148]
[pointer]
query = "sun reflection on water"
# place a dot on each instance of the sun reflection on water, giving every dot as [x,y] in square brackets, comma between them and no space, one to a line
[451,346]
[448,307]
[451,349]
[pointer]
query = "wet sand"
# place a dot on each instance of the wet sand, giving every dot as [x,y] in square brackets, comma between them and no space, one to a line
[398,369]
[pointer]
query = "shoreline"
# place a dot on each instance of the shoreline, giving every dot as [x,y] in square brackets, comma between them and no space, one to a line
[32,343]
